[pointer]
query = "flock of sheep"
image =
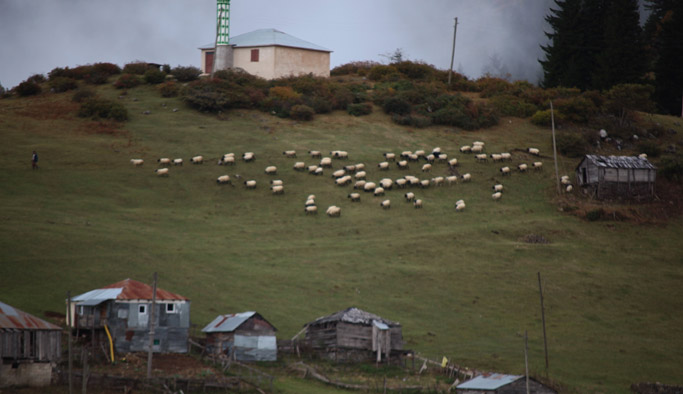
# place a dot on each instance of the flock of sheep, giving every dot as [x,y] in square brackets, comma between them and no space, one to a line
[356,174]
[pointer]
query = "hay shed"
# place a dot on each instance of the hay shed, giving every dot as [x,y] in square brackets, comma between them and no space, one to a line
[617,177]
[245,336]
[497,383]
[355,335]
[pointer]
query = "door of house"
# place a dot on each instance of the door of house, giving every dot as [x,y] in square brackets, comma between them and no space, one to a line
[143,315]
[209,62]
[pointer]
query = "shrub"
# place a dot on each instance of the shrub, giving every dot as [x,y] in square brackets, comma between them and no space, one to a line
[186,74]
[672,168]
[576,109]
[96,78]
[137,68]
[508,105]
[361,68]
[595,214]
[491,86]
[301,112]
[36,78]
[571,144]
[319,104]
[103,109]
[382,73]
[62,84]
[414,70]
[650,148]
[154,77]
[543,118]
[214,95]
[82,94]
[27,88]
[396,105]
[283,93]
[359,109]
[108,69]
[169,89]
[239,77]
[624,99]
[166,69]
[412,120]
[127,81]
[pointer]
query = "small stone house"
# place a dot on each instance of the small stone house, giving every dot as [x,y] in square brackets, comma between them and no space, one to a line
[617,177]
[354,335]
[245,336]
[124,308]
[497,383]
[29,348]
[271,54]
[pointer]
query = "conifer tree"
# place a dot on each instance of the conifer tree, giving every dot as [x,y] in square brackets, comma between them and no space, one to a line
[559,66]
[668,75]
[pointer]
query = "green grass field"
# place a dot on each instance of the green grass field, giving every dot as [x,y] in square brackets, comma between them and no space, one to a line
[463,285]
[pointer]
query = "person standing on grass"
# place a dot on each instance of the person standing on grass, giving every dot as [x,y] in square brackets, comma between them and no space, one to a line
[34,160]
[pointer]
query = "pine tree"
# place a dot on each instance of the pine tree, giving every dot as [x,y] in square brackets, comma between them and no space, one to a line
[559,66]
[668,76]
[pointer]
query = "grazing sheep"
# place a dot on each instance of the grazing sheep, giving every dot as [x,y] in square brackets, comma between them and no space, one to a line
[443,158]
[388,156]
[311,169]
[417,203]
[178,162]
[326,162]
[534,151]
[496,196]
[340,154]
[333,211]
[496,157]
[419,153]
[350,168]
[162,171]
[379,191]
[248,156]
[460,207]
[565,181]
[466,177]
[250,184]
[410,196]
[223,179]
[386,183]
[343,181]
[537,165]
[430,158]
[299,166]
[383,165]
[406,153]
[289,153]
[354,197]
[497,188]
[522,167]
[438,181]
[569,188]
[227,160]
[465,149]
[481,157]
[424,183]
[459,202]
[311,197]
[436,151]
[309,202]
[318,171]
[505,170]
[451,179]
[369,186]
[360,167]
[506,156]
[311,210]
[338,174]
[413,180]
[137,162]
[315,153]
[478,143]
[427,167]
[401,183]
[197,160]
[403,164]
[279,189]
[477,149]
[164,161]
[413,157]
[276,182]
[642,156]
[360,175]
[386,204]
[359,184]
[271,170]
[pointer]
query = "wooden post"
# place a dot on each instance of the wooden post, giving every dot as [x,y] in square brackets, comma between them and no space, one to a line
[68,326]
[545,341]
[151,328]
[526,360]
[557,172]
[455,30]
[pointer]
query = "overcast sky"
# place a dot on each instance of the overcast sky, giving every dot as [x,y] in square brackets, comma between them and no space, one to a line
[38,35]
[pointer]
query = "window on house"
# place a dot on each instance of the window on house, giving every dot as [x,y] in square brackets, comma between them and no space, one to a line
[142,309]
[170,308]
[254,55]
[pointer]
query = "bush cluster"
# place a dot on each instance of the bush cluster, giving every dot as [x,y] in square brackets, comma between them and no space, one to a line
[62,84]
[186,74]
[37,78]
[571,144]
[650,148]
[127,81]
[82,94]
[154,76]
[96,74]
[672,168]
[544,118]
[169,89]
[28,88]
[301,112]
[509,105]
[98,108]
[215,95]
[360,68]
[137,68]
[359,109]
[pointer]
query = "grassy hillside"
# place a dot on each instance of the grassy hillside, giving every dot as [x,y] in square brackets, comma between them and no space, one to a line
[463,285]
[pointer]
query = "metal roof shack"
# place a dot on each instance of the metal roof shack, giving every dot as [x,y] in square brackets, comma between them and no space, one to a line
[620,162]
[617,177]
[245,336]
[13,318]
[354,316]
[497,383]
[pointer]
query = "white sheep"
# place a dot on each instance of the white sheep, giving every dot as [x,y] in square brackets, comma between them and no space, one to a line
[338,173]
[453,162]
[369,186]
[496,157]
[340,154]
[478,143]
[522,167]
[466,177]
[226,160]
[642,156]
[417,203]
[430,158]
[477,149]
[137,162]
[223,179]
[359,184]
[424,183]
[379,191]
[537,165]
[386,183]
[318,171]
[386,204]
[438,181]
[436,151]
[427,167]
[406,153]
[497,188]
[505,170]
[413,180]
[506,156]
[299,166]
[311,169]
[443,158]
[250,184]
[197,160]
[388,156]
[565,181]
[276,182]
[333,211]
[354,197]
[410,196]
[481,157]
[279,189]
[459,202]
[403,164]
[413,157]
[350,168]
[271,170]
[248,156]
[534,151]
[164,161]
[178,162]
[419,153]
[496,196]
[360,175]
[383,165]
[311,210]
[326,162]
[289,153]
[465,149]
[162,171]
[569,188]
[460,207]
[451,179]
[360,167]
[315,153]
[401,182]
[343,181]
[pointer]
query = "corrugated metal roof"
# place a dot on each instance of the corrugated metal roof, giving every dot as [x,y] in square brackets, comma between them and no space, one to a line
[269,37]
[355,316]
[13,318]
[127,289]
[620,162]
[228,323]
[488,382]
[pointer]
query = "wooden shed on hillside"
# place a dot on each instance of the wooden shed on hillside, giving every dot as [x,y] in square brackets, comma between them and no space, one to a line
[245,336]
[29,348]
[611,177]
[354,335]
[496,383]
[124,308]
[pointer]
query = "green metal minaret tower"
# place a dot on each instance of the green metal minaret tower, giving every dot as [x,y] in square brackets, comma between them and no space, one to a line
[223,58]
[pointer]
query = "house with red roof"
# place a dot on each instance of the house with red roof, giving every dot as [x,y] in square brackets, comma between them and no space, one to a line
[124,309]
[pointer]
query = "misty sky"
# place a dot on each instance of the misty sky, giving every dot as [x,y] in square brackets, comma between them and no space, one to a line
[38,35]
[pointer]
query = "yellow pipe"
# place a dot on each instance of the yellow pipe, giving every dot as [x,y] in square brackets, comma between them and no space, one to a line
[111,343]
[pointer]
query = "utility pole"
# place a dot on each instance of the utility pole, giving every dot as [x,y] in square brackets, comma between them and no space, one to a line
[545,340]
[557,172]
[455,30]
[68,325]
[151,328]
[526,360]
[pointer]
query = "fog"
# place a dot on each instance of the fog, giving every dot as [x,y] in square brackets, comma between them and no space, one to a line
[495,36]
